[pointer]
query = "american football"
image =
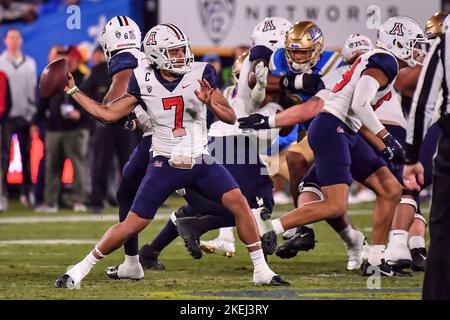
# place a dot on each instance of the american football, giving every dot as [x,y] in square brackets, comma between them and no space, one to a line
[224,149]
[53,78]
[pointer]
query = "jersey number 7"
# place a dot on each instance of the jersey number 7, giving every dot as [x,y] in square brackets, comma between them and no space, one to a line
[177,103]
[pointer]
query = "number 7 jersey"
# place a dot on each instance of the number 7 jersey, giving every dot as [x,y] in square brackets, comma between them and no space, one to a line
[340,101]
[178,117]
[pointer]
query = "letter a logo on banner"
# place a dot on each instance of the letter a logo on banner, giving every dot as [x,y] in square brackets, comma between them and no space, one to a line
[217,17]
[397,30]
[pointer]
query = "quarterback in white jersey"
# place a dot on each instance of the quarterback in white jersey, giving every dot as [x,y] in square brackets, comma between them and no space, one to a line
[121,41]
[172,167]
[335,142]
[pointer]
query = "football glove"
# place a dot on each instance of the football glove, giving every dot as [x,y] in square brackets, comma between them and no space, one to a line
[254,121]
[393,151]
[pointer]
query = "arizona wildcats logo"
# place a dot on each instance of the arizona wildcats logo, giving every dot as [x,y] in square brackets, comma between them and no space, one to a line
[268,26]
[151,39]
[217,17]
[397,30]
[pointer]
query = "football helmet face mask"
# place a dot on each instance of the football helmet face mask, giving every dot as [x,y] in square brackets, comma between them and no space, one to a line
[354,46]
[404,38]
[121,32]
[236,67]
[271,32]
[169,49]
[435,25]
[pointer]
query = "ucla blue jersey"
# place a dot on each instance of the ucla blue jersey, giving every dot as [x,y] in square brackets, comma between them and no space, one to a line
[329,60]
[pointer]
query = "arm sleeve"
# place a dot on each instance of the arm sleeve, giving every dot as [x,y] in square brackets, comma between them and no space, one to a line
[122,61]
[365,91]
[210,75]
[424,100]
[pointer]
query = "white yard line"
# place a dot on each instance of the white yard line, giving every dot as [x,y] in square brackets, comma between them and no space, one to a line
[72,218]
[114,217]
[48,241]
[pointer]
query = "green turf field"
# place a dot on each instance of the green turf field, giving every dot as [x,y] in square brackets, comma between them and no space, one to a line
[28,269]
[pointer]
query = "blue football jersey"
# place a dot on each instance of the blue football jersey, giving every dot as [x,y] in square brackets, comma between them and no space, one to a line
[329,60]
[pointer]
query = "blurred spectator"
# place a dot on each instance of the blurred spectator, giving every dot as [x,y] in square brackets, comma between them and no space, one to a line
[15,11]
[67,135]
[108,140]
[5,107]
[21,72]
[240,50]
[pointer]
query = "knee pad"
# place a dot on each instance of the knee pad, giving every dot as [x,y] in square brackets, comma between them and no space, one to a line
[310,187]
[421,217]
[410,202]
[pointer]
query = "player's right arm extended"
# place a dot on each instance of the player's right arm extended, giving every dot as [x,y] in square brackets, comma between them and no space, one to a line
[111,112]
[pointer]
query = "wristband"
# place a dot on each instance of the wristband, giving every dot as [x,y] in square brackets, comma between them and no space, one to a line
[72,91]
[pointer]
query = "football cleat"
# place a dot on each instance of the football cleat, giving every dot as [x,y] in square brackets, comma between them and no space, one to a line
[149,259]
[383,269]
[290,233]
[354,252]
[398,255]
[419,259]
[268,278]
[124,271]
[219,245]
[65,282]
[268,236]
[304,240]
[186,230]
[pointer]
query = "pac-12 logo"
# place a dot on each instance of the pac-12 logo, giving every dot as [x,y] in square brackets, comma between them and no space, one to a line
[217,17]
[397,30]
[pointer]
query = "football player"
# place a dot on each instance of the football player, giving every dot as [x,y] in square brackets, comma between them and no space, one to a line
[365,86]
[409,220]
[302,62]
[176,91]
[121,42]
[230,140]
[225,242]
[354,46]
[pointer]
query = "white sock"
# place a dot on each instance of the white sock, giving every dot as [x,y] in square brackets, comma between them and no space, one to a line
[309,225]
[259,263]
[226,234]
[349,235]
[416,242]
[399,236]
[376,253]
[82,268]
[131,260]
[277,227]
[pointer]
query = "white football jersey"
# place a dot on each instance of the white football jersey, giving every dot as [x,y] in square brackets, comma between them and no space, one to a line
[340,101]
[390,110]
[178,118]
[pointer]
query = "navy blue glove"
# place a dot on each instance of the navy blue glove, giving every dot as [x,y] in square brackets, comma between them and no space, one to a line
[393,152]
[254,121]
